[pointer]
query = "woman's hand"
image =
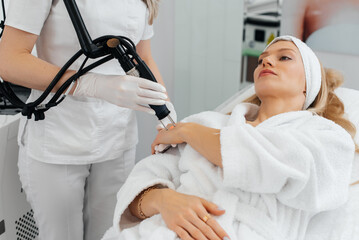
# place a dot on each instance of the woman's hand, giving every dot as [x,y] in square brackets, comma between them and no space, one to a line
[174,135]
[204,140]
[190,216]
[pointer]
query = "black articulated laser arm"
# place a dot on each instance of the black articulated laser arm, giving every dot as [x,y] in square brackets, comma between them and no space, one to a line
[105,47]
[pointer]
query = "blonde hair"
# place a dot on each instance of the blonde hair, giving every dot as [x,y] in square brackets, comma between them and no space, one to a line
[327,104]
[152,6]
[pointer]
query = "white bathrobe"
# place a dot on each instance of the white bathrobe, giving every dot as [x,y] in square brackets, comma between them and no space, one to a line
[275,177]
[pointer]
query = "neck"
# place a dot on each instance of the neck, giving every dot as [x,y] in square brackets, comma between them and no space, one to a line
[272,107]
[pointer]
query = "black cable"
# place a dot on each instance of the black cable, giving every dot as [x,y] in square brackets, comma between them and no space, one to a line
[36,107]
[128,40]
[80,72]
[74,77]
[3,9]
[9,94]
[2,23]
[63,70]
[32,107]
[56,79]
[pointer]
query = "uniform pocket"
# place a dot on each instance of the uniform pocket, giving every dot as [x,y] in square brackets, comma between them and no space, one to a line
[70,130]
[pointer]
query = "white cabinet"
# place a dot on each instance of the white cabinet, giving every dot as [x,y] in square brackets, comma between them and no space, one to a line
[16,216]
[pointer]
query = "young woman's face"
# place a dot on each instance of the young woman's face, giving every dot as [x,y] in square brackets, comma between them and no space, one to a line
[280,73]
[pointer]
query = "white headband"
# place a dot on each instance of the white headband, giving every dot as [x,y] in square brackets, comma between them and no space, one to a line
[312,69]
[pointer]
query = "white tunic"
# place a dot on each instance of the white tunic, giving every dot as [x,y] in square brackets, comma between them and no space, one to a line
[79,130]
[275,177]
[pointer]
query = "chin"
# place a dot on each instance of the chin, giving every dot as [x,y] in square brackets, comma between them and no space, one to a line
[265,87]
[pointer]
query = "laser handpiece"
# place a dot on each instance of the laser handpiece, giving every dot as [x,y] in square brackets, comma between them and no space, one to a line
[133,65]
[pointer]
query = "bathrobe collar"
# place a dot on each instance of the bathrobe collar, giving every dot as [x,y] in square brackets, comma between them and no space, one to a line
[248,112]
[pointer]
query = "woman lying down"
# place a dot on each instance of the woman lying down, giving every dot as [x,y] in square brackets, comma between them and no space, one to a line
[261,172]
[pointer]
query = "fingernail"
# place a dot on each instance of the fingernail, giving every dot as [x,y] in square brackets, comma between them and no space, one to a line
[226,238]
[163,88]
[163,96]
[220,208]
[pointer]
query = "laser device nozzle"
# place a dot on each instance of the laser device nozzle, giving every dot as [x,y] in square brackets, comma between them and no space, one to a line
[171,120]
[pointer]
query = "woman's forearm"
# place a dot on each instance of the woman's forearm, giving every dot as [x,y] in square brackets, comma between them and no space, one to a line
[204,140]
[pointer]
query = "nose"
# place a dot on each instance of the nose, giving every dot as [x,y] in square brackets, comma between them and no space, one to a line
[267,61]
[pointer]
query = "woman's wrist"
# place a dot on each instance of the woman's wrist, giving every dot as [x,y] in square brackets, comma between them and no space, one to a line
[150,202]
[153,201]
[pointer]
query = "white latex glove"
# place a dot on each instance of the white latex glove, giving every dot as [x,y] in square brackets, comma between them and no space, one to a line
[162,147]
[124,91]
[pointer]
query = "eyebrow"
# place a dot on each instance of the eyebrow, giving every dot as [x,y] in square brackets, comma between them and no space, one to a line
[280,50]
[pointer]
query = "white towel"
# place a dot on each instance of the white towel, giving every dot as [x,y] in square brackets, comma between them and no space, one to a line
[275,176]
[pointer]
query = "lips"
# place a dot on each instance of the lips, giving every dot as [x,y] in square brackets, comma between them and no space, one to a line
[266,72]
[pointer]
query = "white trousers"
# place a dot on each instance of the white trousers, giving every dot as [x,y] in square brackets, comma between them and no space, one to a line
[73,202]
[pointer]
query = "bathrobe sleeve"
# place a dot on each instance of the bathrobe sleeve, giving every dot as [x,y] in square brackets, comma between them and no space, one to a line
[306,165]
[156,169]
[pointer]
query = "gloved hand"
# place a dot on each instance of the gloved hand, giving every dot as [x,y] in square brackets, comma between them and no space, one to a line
[125,91]
[161,147]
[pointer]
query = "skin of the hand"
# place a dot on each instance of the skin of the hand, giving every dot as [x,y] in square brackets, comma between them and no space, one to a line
[174,135]
[204,140]
[184,215]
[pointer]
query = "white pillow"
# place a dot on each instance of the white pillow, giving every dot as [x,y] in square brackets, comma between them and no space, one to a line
[228,105]
[350,98]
